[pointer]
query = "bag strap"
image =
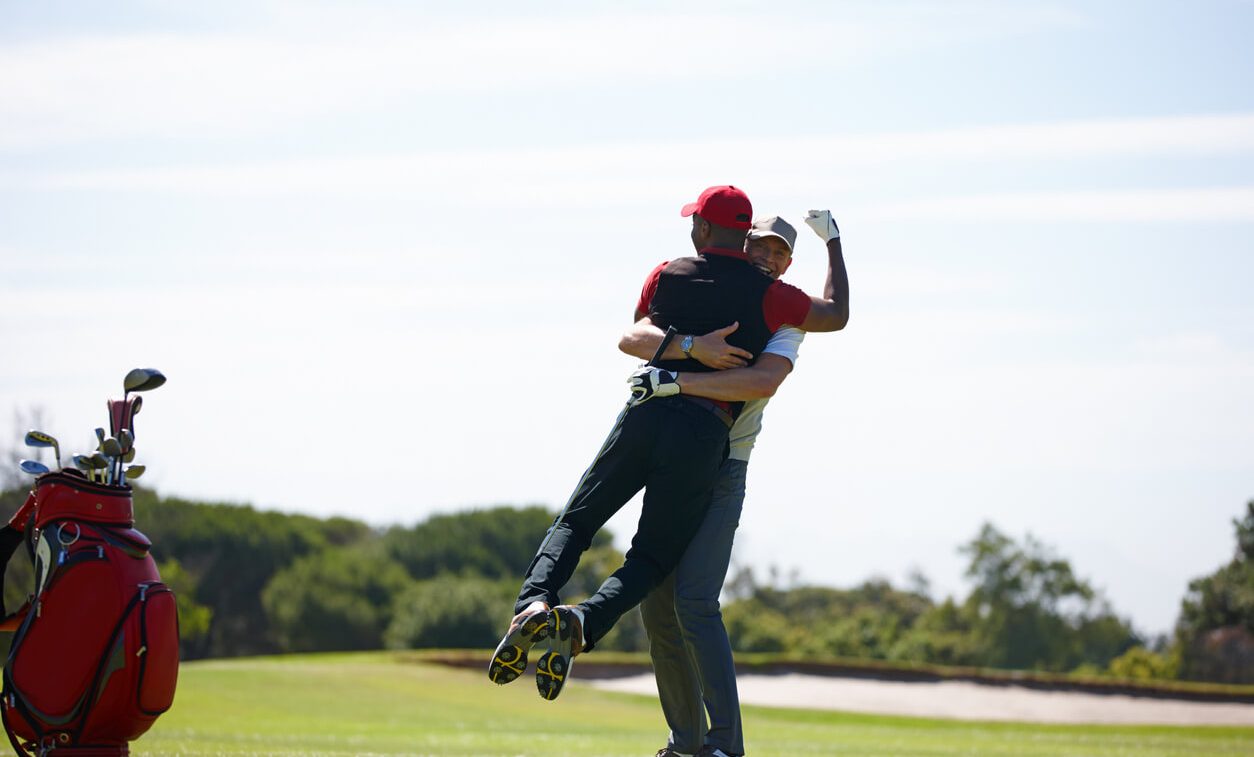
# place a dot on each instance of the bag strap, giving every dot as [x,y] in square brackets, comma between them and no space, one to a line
[8,729]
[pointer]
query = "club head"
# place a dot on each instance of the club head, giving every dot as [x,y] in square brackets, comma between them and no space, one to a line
[129,455]
[142,380]
[96,462]
[40,439]
[111,447]
[83,464]
[133,472]
[99,437]
[33,467]
[126,440]
[136,404]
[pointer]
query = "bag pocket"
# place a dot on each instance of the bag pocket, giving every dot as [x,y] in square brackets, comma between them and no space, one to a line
[158,651]
[59,653]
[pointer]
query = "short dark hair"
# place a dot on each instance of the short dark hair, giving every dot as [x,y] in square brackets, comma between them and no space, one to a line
[721,236]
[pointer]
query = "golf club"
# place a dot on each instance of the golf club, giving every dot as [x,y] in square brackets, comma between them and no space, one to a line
[133,406]
[40,439]
[141,380]
[133,472]
[98,463]
[83,463]
[33,467]
[113,450]
[126,441]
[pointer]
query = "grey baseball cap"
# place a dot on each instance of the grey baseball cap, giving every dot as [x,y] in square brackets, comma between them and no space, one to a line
[774,227]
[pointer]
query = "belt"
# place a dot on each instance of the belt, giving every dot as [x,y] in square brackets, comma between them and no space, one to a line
[712,406]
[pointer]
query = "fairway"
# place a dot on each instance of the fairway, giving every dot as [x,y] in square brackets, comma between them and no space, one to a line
[375,703]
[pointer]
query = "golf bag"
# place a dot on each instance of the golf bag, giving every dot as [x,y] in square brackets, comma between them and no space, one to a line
[93,658]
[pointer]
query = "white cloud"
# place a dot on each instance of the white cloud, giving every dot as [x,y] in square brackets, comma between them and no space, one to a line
[1143,205]
[178,86]
[638,167]
[637,174]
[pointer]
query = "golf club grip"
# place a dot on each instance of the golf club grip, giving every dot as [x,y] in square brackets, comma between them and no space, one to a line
[661,348]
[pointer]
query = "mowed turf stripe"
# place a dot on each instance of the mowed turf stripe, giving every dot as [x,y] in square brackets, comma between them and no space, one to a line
[372,703]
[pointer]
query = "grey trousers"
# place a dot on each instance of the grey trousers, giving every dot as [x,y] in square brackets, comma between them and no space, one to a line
[692,657]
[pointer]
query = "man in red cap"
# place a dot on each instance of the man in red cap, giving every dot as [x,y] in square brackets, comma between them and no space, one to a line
[689,647]
[671,447]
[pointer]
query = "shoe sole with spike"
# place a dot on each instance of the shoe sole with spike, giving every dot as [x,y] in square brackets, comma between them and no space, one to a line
[509,661]
[553,667]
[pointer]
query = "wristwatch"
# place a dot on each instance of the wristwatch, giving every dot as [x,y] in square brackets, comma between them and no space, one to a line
[686,345]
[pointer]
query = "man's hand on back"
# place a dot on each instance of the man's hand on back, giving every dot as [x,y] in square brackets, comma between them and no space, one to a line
[712,350]
[650,382]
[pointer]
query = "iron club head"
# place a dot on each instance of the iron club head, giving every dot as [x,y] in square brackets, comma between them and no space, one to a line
[98,462]
[83,463]
[40,439]
[126,444]
[33,467]
[113,450]
[133,472]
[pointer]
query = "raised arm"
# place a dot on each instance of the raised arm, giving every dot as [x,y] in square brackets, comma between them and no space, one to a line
[831,312]
[712,349]
[756,381]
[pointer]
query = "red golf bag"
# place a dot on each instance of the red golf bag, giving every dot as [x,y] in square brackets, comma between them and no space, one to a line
[94,654]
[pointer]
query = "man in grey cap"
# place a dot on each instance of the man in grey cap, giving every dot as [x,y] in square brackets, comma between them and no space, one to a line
[692,657]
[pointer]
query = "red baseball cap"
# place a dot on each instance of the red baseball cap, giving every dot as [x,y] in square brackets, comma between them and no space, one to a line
[723,206]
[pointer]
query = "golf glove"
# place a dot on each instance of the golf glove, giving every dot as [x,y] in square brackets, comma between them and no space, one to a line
[823,224]
[650,382]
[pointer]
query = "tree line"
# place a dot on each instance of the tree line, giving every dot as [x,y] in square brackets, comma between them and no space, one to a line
[255,582]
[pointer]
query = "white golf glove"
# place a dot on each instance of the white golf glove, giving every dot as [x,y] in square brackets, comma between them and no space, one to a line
[650,382]
[823,224]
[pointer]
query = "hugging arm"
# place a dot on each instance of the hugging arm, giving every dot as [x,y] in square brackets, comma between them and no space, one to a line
[712,349]
[756,381]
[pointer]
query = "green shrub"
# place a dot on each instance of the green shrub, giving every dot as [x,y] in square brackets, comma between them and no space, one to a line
[336,599]
[452,611]
[1141,664]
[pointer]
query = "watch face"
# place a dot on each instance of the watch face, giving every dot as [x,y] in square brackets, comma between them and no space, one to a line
[686,345]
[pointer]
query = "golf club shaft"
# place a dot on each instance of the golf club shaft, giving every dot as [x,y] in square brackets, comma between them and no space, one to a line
[661,348]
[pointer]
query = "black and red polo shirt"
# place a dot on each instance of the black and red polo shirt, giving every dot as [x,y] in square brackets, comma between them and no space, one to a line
[719,286]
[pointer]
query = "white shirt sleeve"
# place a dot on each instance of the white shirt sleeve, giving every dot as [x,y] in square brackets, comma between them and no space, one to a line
[785,343]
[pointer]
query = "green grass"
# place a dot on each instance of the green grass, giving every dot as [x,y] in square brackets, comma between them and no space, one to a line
[377,704]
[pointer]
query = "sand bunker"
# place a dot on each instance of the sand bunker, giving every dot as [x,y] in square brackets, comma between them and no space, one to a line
[962,700]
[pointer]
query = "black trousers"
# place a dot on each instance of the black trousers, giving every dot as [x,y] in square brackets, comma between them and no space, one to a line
[672,449]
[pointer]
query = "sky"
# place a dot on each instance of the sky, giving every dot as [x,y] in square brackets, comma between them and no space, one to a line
[384,252]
